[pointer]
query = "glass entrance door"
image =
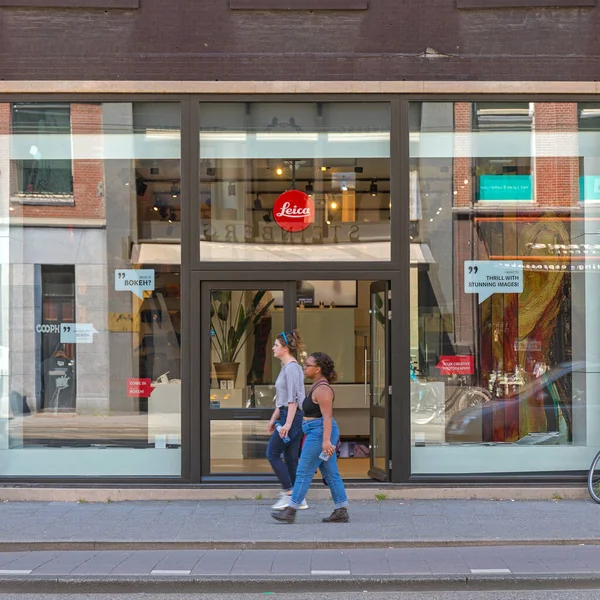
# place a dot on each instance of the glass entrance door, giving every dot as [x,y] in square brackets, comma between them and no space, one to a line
[240,324]
[379,382]
[236,371]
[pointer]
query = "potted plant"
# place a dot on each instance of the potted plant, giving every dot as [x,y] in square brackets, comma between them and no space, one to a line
[231,327]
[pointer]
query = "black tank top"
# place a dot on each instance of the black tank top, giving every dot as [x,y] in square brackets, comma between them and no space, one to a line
[312,409]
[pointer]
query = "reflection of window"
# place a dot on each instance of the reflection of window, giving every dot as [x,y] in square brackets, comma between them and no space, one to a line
[42,131]
[503,178]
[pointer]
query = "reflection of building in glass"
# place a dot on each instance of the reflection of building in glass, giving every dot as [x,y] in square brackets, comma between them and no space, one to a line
[514,178]
[84,191]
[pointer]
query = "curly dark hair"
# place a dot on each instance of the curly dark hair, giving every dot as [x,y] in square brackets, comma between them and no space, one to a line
[326,364]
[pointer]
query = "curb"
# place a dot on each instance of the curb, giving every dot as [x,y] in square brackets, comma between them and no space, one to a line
[262,584]
[67,546]
[64,494]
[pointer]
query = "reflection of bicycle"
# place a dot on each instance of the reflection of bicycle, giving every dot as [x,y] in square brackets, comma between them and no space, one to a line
[431,404]
[465,396]
[428,405]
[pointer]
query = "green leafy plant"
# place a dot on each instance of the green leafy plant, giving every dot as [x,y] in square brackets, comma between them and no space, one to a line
[380,497]
[232,325]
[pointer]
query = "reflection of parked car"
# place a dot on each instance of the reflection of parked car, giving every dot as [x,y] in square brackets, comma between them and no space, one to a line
[540,413]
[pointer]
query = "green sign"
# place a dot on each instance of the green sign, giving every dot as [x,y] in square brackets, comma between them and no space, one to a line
[589,187]
[505,188]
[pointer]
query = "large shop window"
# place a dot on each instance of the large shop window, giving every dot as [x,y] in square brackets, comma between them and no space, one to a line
[505,359]
[295,182]
[90,327]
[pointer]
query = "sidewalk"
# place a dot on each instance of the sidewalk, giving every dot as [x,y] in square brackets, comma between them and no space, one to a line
[235,545]
[245,524]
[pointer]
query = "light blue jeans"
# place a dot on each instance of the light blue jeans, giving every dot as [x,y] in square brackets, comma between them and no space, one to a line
[309,461]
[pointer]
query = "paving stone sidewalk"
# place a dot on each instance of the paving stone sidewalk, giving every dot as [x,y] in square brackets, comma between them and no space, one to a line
[379,523]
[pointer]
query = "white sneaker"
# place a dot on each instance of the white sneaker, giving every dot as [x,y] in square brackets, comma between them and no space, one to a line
[283,502]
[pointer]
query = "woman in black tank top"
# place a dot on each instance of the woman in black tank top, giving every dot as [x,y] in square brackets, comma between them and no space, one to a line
[311,409]
[322,435]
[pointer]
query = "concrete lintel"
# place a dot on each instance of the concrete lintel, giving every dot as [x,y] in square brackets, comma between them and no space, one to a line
[299,87]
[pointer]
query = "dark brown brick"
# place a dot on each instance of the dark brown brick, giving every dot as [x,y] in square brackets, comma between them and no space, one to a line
[206,40]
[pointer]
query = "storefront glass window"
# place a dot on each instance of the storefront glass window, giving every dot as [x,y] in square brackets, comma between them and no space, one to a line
[333,157]
[504,359]
[90,330]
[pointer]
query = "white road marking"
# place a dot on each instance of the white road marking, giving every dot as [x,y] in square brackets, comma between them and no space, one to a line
[488,571]
[313,572]
[170,572]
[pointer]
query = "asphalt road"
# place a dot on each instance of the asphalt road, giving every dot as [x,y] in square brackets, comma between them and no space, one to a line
[486,595]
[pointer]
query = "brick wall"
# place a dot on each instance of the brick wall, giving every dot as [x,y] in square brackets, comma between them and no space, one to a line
[556,177]
[462,196]
[463,180]
[4,118]
[193,40]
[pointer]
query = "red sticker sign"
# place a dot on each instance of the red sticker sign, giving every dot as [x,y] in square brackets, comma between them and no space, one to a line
[456,365]
[294,210]
[139,387]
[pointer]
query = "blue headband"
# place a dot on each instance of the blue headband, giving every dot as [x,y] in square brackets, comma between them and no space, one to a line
[285,338]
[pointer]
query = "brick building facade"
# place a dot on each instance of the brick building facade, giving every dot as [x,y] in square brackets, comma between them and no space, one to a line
[378,40]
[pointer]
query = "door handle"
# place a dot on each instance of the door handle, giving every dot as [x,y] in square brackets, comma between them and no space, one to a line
[366,382]
[247,418]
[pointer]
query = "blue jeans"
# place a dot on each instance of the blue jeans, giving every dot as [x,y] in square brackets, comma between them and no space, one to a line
[309,461]
[286,471]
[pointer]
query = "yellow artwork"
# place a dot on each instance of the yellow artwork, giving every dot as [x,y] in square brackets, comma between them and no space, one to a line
[123,322]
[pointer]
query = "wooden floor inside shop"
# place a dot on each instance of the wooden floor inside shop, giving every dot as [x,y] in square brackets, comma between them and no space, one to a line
[350,468]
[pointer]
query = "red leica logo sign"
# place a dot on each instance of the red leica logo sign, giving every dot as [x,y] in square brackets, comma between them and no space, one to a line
[294,211]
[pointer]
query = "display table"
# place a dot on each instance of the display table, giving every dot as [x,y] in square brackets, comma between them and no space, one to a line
[164,414]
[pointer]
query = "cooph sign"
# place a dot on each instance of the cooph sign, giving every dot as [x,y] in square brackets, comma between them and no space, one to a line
[294,210]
